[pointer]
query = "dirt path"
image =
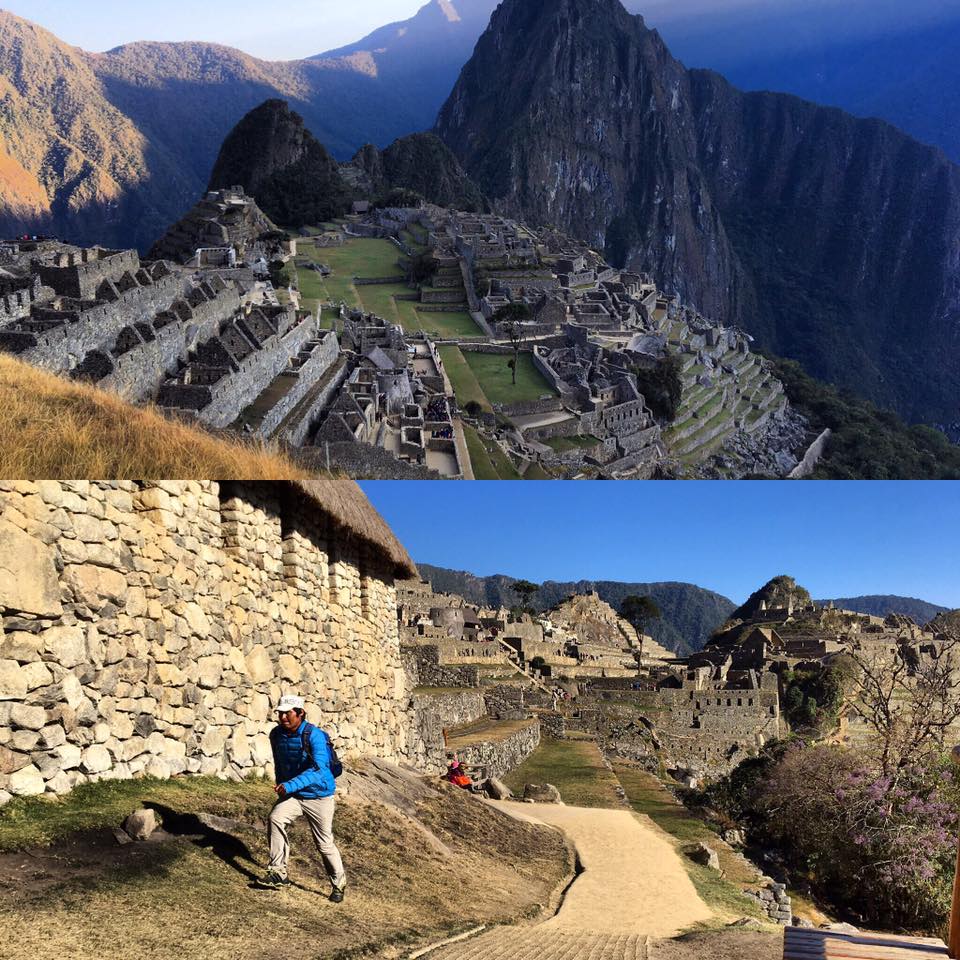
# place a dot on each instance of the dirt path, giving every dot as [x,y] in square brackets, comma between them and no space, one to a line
[633,888]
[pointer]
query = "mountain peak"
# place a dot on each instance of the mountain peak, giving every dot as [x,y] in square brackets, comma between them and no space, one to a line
[279,162]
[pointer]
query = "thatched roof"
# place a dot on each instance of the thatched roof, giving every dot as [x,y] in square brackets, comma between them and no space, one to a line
[347,505]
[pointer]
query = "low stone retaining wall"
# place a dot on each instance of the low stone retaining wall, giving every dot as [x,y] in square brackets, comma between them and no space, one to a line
[499,757]
[436,712]
[474,347]
[453,307]
[528,407]
[552,724]
[431,673]
[375,281]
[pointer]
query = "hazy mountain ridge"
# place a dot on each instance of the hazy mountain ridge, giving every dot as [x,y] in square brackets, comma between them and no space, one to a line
[690,613]
[879,605]
[828,238]
[112,147]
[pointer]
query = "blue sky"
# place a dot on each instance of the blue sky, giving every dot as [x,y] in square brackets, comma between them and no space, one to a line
[838,539]
[286,32]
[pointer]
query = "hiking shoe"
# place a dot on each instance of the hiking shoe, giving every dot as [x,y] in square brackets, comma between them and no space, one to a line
[273,881]
[336,894]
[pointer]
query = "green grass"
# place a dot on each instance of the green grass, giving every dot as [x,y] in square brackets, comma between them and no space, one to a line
[496,378]
[450,325]
[488,459]
[563,444]
[34,821]
[720,891]
[373,259]
[536,472]
[501,462]
[483,468]
[465,385]
[574,767]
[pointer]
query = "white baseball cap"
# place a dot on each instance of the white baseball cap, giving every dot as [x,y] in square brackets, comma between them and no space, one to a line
[289,702]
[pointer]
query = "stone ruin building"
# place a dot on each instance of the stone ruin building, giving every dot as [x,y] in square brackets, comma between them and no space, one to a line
[204,344]
[393,398]
[590,328]
[224,229]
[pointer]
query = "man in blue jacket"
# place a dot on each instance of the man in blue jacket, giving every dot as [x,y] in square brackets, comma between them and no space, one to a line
[306,767]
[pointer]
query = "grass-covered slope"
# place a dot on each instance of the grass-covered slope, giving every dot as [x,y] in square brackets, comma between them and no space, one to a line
[54,428]
[448,862]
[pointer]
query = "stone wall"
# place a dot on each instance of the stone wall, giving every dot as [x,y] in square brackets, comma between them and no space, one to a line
[430,672]
[435,713]
[151,627]
[86,326]
[499,756]
[709,730]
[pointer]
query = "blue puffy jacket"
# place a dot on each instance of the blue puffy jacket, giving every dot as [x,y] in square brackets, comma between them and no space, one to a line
[305,772]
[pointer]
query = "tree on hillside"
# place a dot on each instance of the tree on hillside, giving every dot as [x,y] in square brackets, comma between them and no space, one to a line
[639,611]
[909,701]
[514,314]
[662,387]
[421,268]
[526,591]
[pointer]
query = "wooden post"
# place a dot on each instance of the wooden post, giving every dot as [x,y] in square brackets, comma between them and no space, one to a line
[955,907]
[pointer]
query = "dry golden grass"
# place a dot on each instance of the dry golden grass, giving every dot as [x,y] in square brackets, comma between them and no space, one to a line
[52,429]
[190,895]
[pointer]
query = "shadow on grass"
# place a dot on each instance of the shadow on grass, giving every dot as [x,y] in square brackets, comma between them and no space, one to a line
[210,833]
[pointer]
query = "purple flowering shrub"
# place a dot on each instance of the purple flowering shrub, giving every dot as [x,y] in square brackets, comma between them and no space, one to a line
[883,846]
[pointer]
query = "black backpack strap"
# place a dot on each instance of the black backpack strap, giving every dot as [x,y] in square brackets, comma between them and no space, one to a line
[305,732]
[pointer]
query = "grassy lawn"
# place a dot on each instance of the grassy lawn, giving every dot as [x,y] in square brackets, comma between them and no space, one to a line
[358,258]
[648,796]
[501,462]
[574,767]
[465,384]
[496,378]
[483,468]
[563,444]
[456,324]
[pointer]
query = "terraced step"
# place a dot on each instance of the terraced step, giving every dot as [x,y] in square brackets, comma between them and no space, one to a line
[721,424]
[542,943]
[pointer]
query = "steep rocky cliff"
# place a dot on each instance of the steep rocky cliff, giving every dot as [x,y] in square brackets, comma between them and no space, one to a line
[421,163]
[831,239]
[272,155]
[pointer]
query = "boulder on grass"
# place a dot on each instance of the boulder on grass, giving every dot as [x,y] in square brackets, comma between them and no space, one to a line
[141,824]
[704,855]
[497,789]
[541,793]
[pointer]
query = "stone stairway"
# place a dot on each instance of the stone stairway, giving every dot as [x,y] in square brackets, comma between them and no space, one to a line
[521,667]
[540,943]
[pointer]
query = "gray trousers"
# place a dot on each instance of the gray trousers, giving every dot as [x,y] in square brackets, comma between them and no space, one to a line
[319,814]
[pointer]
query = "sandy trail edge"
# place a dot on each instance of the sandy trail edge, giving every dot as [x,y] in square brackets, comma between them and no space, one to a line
[633,881]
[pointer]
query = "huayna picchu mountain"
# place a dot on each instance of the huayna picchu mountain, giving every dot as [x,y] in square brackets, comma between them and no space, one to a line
[831,240]
[277,160]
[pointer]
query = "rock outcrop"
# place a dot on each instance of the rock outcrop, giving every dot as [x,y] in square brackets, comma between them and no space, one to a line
[830,239]
[272,155]
[422,164]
